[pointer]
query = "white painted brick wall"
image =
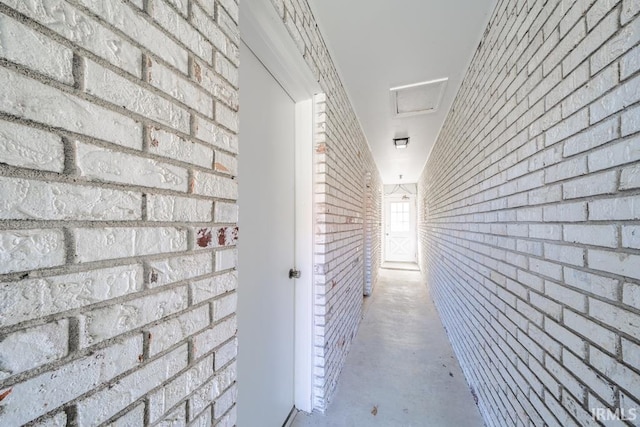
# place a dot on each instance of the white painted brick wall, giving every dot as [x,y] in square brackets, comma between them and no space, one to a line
[29,99]
[166,334]
[71,380]
[133,417]
[215,135]
[182,30]
[124,18]
[175,269]
[58,420]
[227,117]
[180,88]
[109,243]
[373,230]
[630,178]
[164,399]
[31,148]
[224,306]
[207,26]
[539,292]
[85,32]
[206,184]
[111,160]
[169,145]
[33,298]
[614,262]
[31,348]
[223,404]
[228,258]
[32,199]
[225,354]
[202,397]
[111,87]
[206,341]
[22,250]
[179,209]
[214,84]
[104,323]
[631,237]
[100,406]
[35,51]
[210,288]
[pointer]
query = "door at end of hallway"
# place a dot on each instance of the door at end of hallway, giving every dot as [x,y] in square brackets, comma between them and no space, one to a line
[400,232]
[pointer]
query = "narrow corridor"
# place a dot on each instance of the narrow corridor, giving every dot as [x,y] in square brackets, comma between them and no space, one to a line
[401,370]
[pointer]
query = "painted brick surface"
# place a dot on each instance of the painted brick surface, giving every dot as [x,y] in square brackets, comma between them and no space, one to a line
[178,209]
[111,158]
[33,298]
[140,30]
[104,323]
[30,348]
[214,84]
[182,30]
[70,381]
[108,85]
[528,215]
[32,199]
[31,148]
[373,230]
[32,100]
[100,406]
[83,31]
[169,145]
[165,335]
[108,243]
[33,50]
[23,250]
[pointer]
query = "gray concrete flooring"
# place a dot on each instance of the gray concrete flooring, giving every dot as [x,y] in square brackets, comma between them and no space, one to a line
[401,370]
[390,265]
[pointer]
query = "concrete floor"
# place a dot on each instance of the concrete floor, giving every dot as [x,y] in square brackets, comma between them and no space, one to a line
[401,370]
[390,265]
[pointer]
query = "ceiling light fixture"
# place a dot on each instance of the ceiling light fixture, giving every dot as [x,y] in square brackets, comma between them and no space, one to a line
[401,142]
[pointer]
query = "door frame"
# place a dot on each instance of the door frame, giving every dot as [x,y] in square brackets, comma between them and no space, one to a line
[413,215]
[264,32]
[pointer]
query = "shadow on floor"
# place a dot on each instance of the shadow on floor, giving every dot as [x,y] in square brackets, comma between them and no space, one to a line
[401,370]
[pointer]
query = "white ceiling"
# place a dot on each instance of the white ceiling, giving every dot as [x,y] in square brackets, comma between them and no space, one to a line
[380,44]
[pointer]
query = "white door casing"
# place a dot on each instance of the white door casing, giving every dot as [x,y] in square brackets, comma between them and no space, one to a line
[266,251]
[265,34]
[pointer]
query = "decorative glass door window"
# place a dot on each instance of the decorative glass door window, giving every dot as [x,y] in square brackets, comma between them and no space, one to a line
[400,217]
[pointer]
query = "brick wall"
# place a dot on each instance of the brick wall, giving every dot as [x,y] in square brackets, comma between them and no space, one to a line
[529,214]
[342,162]
[373,231]
[118,126]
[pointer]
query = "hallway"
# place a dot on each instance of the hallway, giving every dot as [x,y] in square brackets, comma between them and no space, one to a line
[170,241]
[401,370]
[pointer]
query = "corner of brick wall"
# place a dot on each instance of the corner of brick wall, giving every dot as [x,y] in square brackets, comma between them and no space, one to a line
[529,210]
[118,142]
[342,161]
[373,230]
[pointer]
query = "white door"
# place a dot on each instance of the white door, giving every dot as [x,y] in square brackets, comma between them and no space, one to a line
[400,229]
[266,248]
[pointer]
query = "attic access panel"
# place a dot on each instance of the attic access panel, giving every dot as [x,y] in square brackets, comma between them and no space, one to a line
[418,98]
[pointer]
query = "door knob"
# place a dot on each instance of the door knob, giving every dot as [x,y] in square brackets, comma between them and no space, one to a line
[294,274]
